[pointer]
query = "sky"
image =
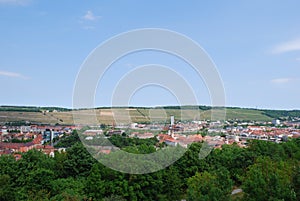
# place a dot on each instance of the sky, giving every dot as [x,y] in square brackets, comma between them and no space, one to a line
[255,46]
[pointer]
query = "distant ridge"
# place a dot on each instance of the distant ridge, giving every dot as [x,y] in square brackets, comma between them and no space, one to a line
[30,108]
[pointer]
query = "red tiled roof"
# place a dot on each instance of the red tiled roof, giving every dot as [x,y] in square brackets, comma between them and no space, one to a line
[38,139]
[171,140]
[15,145]
[105,151]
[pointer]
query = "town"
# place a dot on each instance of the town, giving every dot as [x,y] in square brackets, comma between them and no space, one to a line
[18,139]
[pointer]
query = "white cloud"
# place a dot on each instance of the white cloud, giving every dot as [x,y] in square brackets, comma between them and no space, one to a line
[90,16]
[288,46]
[14,2]
[12,74]
[281,80]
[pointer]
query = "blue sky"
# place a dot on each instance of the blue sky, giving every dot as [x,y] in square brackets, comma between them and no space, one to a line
[254,44]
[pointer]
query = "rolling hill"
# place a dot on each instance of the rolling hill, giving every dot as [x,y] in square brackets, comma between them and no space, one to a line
[57,115]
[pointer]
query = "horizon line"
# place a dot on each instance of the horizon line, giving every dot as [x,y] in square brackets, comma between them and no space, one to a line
[156,106]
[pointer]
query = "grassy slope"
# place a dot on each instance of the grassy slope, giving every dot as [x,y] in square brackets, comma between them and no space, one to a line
[107,115]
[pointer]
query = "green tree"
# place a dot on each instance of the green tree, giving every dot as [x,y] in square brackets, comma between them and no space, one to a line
[68,189]
[8,166]
[95,187]
[78,161]
[190,163]
[172,185]
[40,179]
[6,188]
[207,186]
[296,179]
[265,148]
[35,171]
[268,180]
[59,167]
[68,141]
[233,158]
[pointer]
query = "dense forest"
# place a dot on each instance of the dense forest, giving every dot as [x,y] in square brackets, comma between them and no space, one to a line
[282,113]
[264,171]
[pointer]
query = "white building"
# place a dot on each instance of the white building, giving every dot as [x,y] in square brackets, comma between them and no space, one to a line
[276,122]
[172,120]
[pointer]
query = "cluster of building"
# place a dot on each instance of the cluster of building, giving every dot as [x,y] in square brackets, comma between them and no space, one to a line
[263,133]
[30,137]
[216,133]
[183,134]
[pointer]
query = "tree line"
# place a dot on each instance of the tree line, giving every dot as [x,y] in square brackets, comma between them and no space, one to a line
[264,171]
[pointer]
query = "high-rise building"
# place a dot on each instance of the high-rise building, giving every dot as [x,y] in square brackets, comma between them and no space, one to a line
[48,135]
[172,120]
